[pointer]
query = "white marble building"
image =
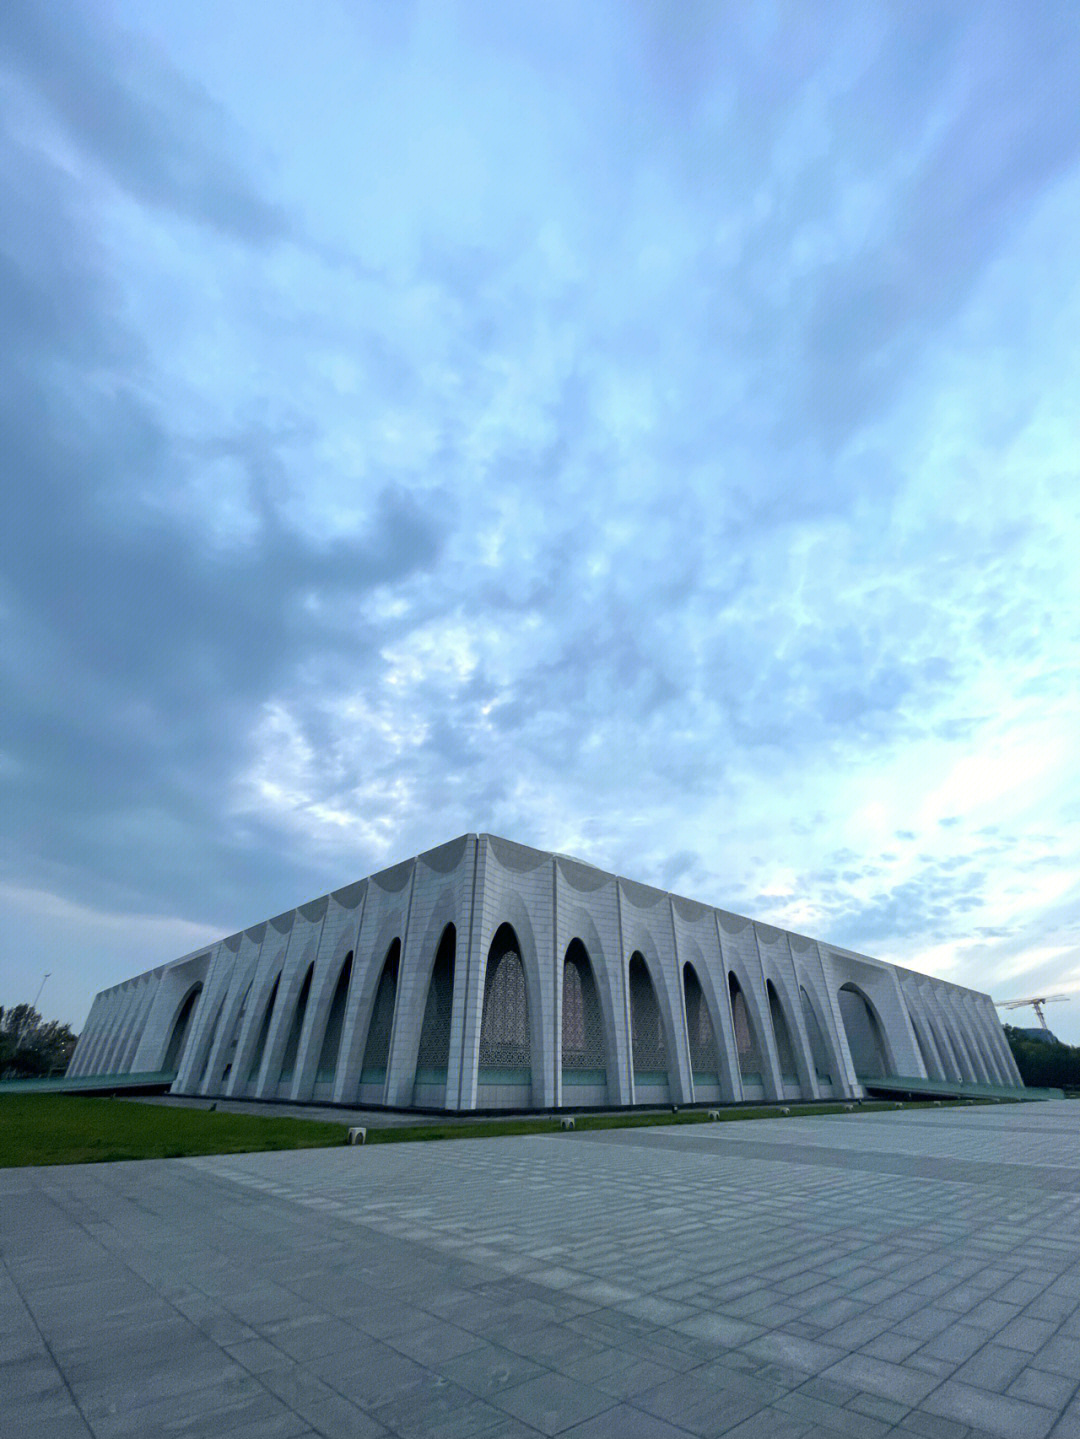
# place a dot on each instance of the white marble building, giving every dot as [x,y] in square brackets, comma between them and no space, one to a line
[484,974]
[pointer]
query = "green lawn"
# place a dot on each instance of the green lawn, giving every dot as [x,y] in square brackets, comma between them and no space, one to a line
[70,1129]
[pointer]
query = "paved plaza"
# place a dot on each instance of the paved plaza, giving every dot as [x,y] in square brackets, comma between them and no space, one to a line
[915,1273]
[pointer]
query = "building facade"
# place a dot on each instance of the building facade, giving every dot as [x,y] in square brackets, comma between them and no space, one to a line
[487,975]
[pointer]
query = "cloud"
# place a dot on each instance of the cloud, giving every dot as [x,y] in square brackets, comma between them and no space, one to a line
[656,443]
[155,133]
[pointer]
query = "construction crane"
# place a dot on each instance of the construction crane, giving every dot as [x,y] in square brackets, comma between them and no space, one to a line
[1036,1003]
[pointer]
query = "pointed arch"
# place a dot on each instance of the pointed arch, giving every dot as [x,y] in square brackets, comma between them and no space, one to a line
[292,1044]
[174,1050]
[335,1019]
[747,1042]
[377,1044]
[505,1035]
[865,1034]
[819,1052]
[584,1055]
[264,1031]
[704,1050]
[785,1047]
[648,1044]
[433,1054]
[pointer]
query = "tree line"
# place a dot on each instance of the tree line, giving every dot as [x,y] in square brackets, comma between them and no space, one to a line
[1044,1066]
[31,1046]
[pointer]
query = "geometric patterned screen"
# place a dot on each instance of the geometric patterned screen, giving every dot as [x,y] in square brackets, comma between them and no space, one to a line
[703,1055]
[504,1029]
[746,1045]
[582,1025]
[646,1028]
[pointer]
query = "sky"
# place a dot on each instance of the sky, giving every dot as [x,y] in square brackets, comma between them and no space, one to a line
[643,430]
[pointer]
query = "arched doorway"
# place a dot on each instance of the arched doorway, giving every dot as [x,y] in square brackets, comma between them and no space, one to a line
[433,1055]
[704,1052]
[505,1076]
[747,1044]
[174,1052]
[865,1037]
[584,1060]
[648,1046]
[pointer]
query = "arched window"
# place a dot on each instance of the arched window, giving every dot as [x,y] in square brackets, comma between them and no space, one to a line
[292,1044]
[863,1034]
[819,1053]
[328,1055]
[433,1055]
[175,1051]
[264,1030]
[646,1025]
[746,1042]
[583,1060]
[504,1029]
[704,1058]
[377,1047]
[785,1050]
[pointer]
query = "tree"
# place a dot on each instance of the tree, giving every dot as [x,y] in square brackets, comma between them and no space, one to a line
[30,1047]
[1044,1066]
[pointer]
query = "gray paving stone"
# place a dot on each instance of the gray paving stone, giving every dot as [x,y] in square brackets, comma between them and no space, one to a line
[321,1307]
[552,1403]
[1038,1386]
[877,1376]
[994,1413]
[994,1368]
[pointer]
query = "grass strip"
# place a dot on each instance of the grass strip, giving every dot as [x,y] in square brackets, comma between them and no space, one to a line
[76,1129]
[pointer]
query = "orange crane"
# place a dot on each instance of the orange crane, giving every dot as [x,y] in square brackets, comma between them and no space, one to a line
[1036,1003]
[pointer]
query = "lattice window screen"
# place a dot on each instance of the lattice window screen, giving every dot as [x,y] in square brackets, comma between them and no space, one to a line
[785,1053]
[504,1031]
[582,1025]
[817,1039]
[647,1030]
[434,1051]
[746,1046]
[703,1054]
[377,1048]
